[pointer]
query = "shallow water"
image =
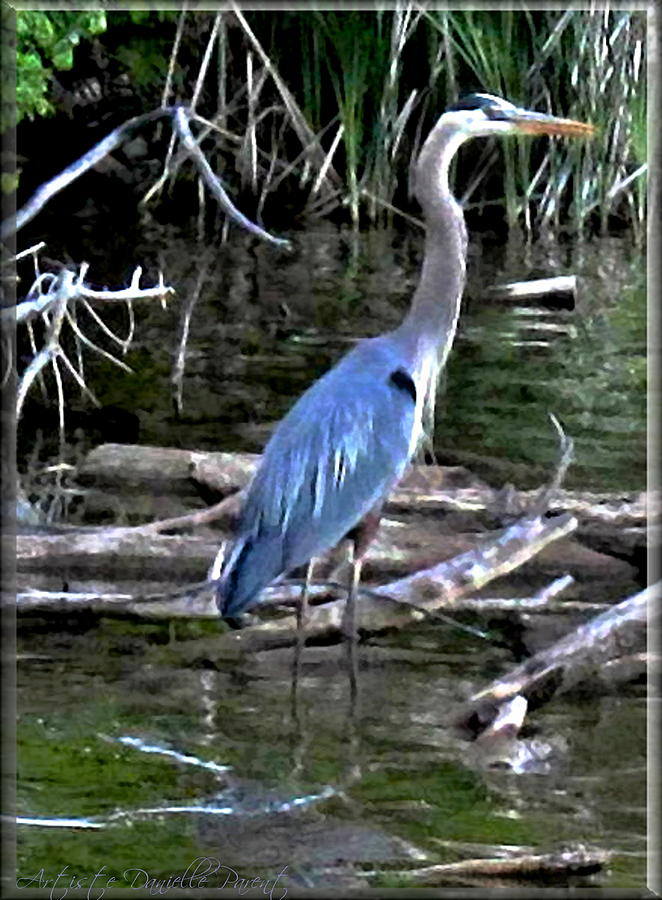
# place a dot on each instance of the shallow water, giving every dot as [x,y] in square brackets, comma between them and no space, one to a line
[116,733]
[134,746]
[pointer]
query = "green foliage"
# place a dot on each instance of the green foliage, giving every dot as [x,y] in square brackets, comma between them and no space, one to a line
[355,53]
[142,47]
[145,60]
[46,41]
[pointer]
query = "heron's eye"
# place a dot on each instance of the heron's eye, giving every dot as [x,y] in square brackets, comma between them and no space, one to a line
[403,382]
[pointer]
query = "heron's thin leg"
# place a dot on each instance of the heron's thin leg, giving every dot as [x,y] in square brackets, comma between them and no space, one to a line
[302,612]
[349,627]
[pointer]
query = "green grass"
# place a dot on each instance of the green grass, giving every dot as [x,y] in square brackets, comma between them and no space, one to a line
[387,76]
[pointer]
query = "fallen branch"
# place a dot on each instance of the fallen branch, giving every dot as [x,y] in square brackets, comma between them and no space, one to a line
[411,599]
[224,511]
[429,490]
[154,469]
[618,631]
[575,860]
[195,600]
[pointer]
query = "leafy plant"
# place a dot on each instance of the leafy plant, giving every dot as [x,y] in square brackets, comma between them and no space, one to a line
[46,41]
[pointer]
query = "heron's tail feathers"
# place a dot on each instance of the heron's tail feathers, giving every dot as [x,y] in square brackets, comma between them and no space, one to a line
[250,565]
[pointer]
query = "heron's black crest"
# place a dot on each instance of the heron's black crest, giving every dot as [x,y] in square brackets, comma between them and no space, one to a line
[493,107]
[404,382]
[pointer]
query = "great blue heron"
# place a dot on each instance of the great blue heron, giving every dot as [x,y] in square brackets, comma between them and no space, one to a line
[334,458]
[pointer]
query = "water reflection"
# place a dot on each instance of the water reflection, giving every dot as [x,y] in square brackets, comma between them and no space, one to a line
[232,776]
[268,323]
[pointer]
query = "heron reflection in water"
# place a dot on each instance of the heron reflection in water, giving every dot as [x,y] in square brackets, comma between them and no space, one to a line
[333,460]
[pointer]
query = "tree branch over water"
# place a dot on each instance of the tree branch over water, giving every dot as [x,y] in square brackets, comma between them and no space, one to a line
[61,293]
[181,117]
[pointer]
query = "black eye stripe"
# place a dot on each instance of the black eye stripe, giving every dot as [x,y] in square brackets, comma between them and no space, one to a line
[403,382]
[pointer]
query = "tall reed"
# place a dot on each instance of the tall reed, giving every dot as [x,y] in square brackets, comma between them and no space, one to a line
[355,92]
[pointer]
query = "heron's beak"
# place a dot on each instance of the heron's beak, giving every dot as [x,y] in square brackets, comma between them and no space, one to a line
[527,122]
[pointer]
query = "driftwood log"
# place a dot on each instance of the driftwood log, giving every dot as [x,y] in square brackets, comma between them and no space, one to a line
[437,513]
[574,860]
[503,531]
[609,522]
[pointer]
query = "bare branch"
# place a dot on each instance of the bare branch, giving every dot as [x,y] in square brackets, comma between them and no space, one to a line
[63,290]
[167,87]
[48,190]
[181,122]
[89,343]
[177,378]
[180,117]
[34,250]
[77,375]
[205,60]
[72,287]
[51,346]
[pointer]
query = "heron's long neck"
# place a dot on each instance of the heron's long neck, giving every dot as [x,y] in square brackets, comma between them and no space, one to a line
[429,326]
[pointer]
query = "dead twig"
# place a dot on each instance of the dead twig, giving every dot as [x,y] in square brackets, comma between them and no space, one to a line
[69,285]
[303,130]
[181,123]
[63,291]
[177,377]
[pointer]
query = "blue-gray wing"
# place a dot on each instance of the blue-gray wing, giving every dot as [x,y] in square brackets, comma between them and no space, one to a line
[336,454]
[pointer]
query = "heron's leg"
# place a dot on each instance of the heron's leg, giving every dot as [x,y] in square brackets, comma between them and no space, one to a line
[349,626]
[302,613]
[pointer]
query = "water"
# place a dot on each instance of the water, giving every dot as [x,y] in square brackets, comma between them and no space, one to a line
[229,774]
[132,758]
[268,323]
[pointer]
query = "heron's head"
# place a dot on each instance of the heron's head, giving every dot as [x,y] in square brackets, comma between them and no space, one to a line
[480,115]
